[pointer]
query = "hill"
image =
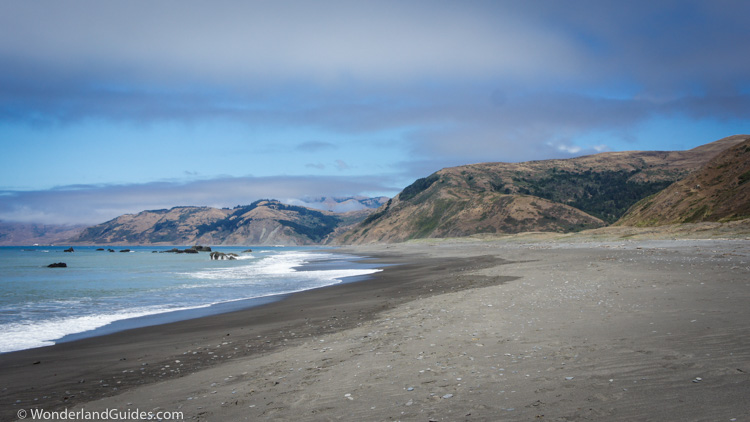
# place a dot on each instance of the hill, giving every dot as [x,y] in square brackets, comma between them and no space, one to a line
[718,192]
[264,222]
[29,233]
[550,195]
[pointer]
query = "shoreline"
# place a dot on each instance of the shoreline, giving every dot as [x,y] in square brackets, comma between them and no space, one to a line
[73,372]
[111,322]
[485,330]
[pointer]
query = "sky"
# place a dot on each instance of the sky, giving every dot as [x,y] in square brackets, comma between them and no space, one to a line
[115,107]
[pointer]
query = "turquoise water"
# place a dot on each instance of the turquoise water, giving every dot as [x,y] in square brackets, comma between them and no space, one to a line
[99,289]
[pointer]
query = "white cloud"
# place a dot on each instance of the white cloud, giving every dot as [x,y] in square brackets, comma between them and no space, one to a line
[95,204]
[569,149]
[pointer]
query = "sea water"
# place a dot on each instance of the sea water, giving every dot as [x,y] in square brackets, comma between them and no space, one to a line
[101,292]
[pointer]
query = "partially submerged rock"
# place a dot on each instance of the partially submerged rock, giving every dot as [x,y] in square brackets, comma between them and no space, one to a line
[175,250]
[216,256]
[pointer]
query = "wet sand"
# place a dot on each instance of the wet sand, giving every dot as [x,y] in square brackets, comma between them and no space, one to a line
[64,375]
[462,330]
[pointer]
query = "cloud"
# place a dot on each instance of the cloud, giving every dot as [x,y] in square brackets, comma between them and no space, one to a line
[315,146]
[441,83]
[94,204]
[341,165]
[256,61]
[327,40]
[353,67]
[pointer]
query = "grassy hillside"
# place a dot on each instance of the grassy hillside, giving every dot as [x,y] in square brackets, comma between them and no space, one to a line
[719,191]
[549,195]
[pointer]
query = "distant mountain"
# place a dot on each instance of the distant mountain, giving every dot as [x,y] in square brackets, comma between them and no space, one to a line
[343,204]
[719,191]
[264,222]
[549,195]
[30,234]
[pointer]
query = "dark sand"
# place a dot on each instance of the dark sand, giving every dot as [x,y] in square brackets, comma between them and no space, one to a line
[511,329]
[66,374]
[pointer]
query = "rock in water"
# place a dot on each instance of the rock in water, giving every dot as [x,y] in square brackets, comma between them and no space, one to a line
[58,265]
[70,249]
[189,250]
[221,255]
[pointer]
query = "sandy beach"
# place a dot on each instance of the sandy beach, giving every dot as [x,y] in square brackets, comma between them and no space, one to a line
[476,330]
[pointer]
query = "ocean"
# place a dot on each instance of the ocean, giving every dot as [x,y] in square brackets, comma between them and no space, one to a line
[102,292]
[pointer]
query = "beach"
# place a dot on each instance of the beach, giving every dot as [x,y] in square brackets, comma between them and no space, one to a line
[472,329]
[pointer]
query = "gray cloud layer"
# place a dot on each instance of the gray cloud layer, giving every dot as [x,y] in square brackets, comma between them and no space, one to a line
[462,81]
[355,66]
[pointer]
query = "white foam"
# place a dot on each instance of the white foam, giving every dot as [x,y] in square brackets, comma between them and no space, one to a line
[277,274]
[280,264]
[27,335]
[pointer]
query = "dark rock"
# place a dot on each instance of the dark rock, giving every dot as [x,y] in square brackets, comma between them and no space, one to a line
[175,250]
[111,250]
[58,265]
[125,250]
[202,248]
[70,249]
[217,256]
[99,249]
[247,251]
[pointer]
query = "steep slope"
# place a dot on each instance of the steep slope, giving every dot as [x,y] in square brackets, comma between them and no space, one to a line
[719,191]
[265,222]
[550,195]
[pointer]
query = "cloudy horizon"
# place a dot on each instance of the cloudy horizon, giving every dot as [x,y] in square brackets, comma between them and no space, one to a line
[115,107]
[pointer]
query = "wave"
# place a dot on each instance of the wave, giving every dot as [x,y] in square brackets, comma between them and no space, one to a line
[26,335]
[252,278]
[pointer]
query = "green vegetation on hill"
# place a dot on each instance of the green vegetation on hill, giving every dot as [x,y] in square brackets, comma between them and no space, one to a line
[419,186]
[717,192]
[374,216]
[604,194]
[311,223]
[560,195]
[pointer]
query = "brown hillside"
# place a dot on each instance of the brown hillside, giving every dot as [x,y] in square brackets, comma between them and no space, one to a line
[550,195]
[719,191]
[264,222]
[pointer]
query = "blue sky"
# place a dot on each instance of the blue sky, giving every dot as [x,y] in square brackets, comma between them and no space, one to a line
[114,107]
